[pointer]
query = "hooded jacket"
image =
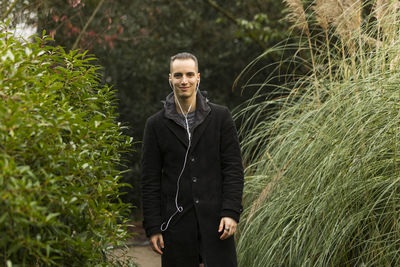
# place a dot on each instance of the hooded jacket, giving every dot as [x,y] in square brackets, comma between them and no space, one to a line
[210,187]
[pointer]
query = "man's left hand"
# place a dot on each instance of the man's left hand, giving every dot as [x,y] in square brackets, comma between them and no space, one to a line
[228,226]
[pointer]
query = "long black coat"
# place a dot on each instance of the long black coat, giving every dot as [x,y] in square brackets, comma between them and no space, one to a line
[210,188]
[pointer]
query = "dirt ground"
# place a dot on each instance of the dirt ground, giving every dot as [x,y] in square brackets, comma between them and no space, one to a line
[144,256]
[139,249]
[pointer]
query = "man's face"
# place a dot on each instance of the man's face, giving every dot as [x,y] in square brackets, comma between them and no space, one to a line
[184,78]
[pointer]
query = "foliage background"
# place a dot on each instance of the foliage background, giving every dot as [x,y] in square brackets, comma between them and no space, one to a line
[60,155]
[134,40]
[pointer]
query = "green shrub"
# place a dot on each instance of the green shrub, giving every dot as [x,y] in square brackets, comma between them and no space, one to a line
[59,157]
[323,181]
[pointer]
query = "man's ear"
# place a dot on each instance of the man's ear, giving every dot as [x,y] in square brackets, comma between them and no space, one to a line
[170,80]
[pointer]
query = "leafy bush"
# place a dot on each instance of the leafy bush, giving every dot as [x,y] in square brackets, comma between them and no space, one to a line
[322,182]
[59,157]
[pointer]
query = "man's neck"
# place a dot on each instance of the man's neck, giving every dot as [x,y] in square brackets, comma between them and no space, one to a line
[186,104]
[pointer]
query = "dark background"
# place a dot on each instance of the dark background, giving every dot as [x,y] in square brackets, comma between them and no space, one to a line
[133,41]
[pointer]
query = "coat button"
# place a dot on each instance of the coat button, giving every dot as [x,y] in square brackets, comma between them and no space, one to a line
[194,179]
[196,201]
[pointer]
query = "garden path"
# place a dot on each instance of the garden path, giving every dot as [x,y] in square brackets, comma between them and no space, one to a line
[139,249]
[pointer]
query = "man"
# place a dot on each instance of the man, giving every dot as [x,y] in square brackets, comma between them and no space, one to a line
[192,175]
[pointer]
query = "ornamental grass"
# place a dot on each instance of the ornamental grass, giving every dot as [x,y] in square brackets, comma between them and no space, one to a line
[323,152]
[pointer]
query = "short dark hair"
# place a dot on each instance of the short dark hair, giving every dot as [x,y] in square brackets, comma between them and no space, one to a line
[184,55]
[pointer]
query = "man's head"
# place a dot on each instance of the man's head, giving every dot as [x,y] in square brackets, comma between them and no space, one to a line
[183,56]
[184,76]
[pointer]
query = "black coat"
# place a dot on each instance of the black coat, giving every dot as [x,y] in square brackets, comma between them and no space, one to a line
[210,188]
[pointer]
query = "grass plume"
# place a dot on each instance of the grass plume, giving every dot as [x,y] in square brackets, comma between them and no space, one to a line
[297,15]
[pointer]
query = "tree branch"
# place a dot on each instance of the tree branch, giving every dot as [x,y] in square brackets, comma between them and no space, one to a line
[223,11]
[231,17]
[87,24]
[5,15]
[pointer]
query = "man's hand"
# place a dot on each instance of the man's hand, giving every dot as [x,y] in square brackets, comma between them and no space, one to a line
[228,225]
[157,243]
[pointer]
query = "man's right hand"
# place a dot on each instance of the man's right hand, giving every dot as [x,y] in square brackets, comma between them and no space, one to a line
[157,243]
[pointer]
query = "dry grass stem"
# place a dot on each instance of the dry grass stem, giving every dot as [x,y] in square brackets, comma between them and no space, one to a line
[322,9]
[394,64]
[344,15]
[264,194]
[382,10]
[350,19]
[385,12]
[297,15]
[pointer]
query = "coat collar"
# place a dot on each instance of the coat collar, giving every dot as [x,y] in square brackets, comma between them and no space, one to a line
[175,123]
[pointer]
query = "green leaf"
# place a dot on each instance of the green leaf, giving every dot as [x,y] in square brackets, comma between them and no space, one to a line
[51,216]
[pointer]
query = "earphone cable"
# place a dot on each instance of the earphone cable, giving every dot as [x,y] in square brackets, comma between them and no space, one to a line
[180,208]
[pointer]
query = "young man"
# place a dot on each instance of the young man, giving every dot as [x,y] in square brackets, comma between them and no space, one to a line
[192,175]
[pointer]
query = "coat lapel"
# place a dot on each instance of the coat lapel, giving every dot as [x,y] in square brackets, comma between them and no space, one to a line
[203,118]
[178,131]
[198,131]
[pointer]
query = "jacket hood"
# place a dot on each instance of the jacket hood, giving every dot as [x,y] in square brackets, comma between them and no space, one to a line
[202,108]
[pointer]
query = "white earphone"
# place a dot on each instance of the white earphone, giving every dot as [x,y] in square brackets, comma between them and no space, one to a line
[170,83]
[164,225]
